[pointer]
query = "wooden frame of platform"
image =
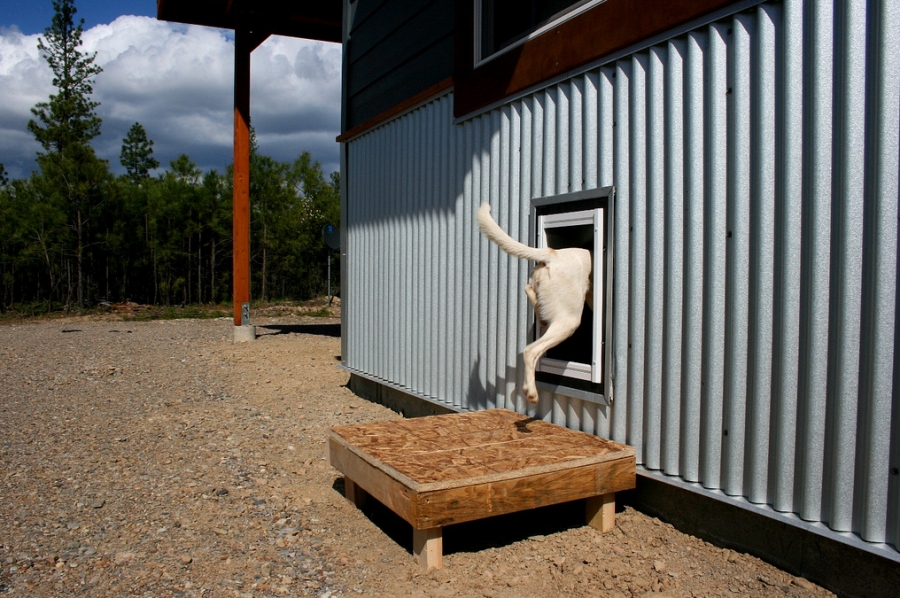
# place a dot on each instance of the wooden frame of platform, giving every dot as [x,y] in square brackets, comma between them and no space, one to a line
[446,469]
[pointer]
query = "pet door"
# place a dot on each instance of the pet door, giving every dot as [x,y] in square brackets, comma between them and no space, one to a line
[579,366]
[579,356]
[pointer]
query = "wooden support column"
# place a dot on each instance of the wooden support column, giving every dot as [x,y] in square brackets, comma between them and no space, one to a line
[241,197]
[600,512]
[428,547]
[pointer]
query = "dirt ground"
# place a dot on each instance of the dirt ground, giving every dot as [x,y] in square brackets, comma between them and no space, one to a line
[161,459]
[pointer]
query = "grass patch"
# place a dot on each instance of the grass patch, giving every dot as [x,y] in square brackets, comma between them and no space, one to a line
[176,312]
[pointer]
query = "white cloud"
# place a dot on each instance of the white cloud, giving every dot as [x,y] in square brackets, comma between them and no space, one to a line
[177,81]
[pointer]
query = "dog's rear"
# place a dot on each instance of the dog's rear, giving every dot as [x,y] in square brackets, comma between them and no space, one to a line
[559,284]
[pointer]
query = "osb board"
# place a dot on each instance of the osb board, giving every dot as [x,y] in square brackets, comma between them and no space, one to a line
[449,451]
[445,469]
[476,501]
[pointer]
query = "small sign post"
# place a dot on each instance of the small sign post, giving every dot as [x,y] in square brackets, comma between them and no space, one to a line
[332,236]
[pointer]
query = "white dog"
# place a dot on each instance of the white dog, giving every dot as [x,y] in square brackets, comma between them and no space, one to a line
[559,286]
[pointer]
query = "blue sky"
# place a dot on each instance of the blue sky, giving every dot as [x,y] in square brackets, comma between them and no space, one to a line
[33,16]
[176,80]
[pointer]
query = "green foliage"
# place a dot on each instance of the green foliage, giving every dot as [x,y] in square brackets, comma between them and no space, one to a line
[71,174]
[137,154]
[290,204]
[72,235]
[68,118]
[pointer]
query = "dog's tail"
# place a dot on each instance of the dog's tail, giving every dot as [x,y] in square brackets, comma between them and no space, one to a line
[496,234]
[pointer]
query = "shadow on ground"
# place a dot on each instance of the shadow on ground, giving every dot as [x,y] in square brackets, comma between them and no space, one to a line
[317,329]
[475,536]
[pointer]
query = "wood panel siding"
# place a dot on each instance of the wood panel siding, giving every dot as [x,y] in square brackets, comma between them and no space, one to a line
[607,28]
[395,50]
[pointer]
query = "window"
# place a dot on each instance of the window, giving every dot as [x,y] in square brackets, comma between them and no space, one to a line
[577,366]
[505,47]
[503,23]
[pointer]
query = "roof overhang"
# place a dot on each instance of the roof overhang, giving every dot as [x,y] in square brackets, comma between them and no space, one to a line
[317,19]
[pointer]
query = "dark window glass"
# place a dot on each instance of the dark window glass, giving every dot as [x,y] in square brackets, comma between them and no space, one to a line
[580,346]
[504,22]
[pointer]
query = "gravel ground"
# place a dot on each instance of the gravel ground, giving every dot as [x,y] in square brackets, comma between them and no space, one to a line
[161,459]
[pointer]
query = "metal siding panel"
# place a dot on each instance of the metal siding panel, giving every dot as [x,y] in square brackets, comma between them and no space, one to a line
[704,135]
[383,269]
[558,415]
[621,175]
[817,100]
[573,413]
[419,240]
[788,210]
[526,178]
[409,282]
[879,275]
[654,271]
[848,186]
[364,261]
[494,259]
[762,258]
[716,128]
[433,324]
[605,154]
[694,226]
[500,195]
[460,286]
[674,252]
[486,303]
[470,245]
[510,345]
[637,125]
[606,128]
[548,160]
[562,157]
[576,134]
[394,177]
[737,251]
[591,139]
[446,318]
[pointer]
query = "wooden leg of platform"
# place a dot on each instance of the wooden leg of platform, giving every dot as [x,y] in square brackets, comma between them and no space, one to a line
[600,512]
[428,547]
[354,493]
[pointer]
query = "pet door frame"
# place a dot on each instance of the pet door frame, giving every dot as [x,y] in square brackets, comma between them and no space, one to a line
[586,381]
[592,371]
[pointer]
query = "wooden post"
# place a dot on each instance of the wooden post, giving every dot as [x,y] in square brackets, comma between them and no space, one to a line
[428,547]
[600,512]
[354,493]
[241,197]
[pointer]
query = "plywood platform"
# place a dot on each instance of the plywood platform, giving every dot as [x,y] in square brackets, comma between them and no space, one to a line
[445,469]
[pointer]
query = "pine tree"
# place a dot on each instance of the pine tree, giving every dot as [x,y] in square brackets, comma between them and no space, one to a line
[70,170]
[69,117]
[137,154]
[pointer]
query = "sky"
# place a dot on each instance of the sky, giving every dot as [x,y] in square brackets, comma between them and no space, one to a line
[177,81]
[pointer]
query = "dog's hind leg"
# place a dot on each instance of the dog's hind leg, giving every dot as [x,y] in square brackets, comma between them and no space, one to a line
[532,297]
[556,333]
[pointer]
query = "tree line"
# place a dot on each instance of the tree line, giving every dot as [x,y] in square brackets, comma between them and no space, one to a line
[73,234]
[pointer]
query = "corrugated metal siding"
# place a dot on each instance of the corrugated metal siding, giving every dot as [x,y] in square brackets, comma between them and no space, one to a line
[756,165]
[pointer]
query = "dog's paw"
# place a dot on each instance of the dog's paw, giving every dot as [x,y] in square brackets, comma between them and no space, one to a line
[532,396]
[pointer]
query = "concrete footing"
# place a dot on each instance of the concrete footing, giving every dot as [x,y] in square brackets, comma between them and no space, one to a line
[244,333]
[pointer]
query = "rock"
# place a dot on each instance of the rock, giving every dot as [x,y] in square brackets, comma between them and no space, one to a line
[803,583]
[186,559]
